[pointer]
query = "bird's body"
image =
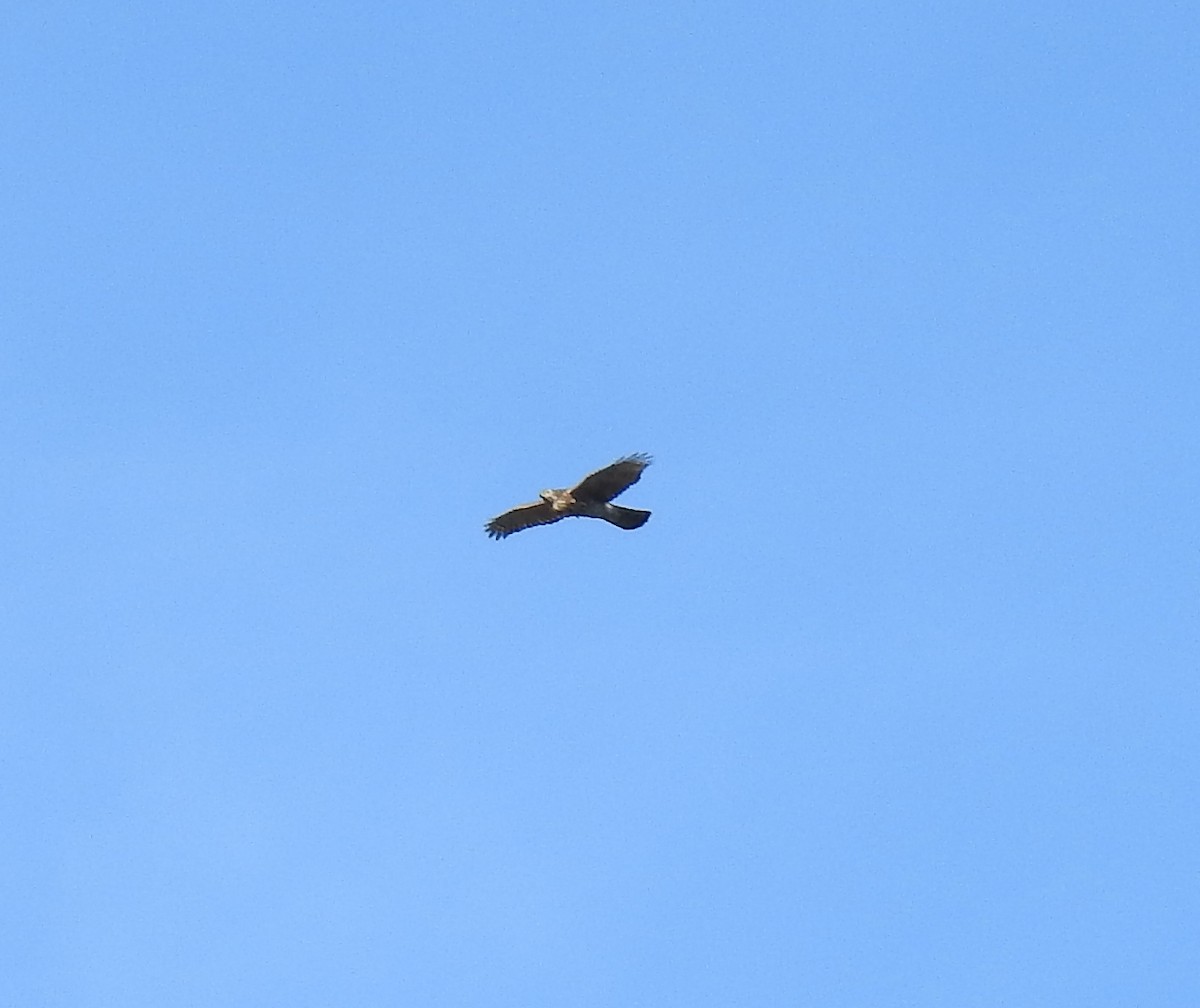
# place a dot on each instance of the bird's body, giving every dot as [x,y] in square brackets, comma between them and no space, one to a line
[590,498]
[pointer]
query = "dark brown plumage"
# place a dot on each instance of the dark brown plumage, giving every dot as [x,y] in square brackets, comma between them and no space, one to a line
[590,498]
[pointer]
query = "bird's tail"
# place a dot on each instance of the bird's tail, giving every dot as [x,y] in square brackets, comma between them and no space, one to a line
[626,518]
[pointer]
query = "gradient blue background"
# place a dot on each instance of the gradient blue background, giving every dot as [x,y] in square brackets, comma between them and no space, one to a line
[892,703]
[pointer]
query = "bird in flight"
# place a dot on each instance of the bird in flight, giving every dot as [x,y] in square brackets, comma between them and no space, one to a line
[591,497]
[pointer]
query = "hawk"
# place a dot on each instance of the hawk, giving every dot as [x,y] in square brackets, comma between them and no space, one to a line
[589,498]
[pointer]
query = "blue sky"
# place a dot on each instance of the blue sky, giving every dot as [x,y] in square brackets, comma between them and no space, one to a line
[893,702]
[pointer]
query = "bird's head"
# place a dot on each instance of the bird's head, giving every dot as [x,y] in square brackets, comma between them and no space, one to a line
[560,500]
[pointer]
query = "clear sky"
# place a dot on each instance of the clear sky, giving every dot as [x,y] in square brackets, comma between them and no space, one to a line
[894,700]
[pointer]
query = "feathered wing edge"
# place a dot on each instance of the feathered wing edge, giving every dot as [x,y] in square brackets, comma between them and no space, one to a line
[523,517]
[607,483]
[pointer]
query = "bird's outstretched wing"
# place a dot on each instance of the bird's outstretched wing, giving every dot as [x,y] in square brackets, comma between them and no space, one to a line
[523,517]
[605,484]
